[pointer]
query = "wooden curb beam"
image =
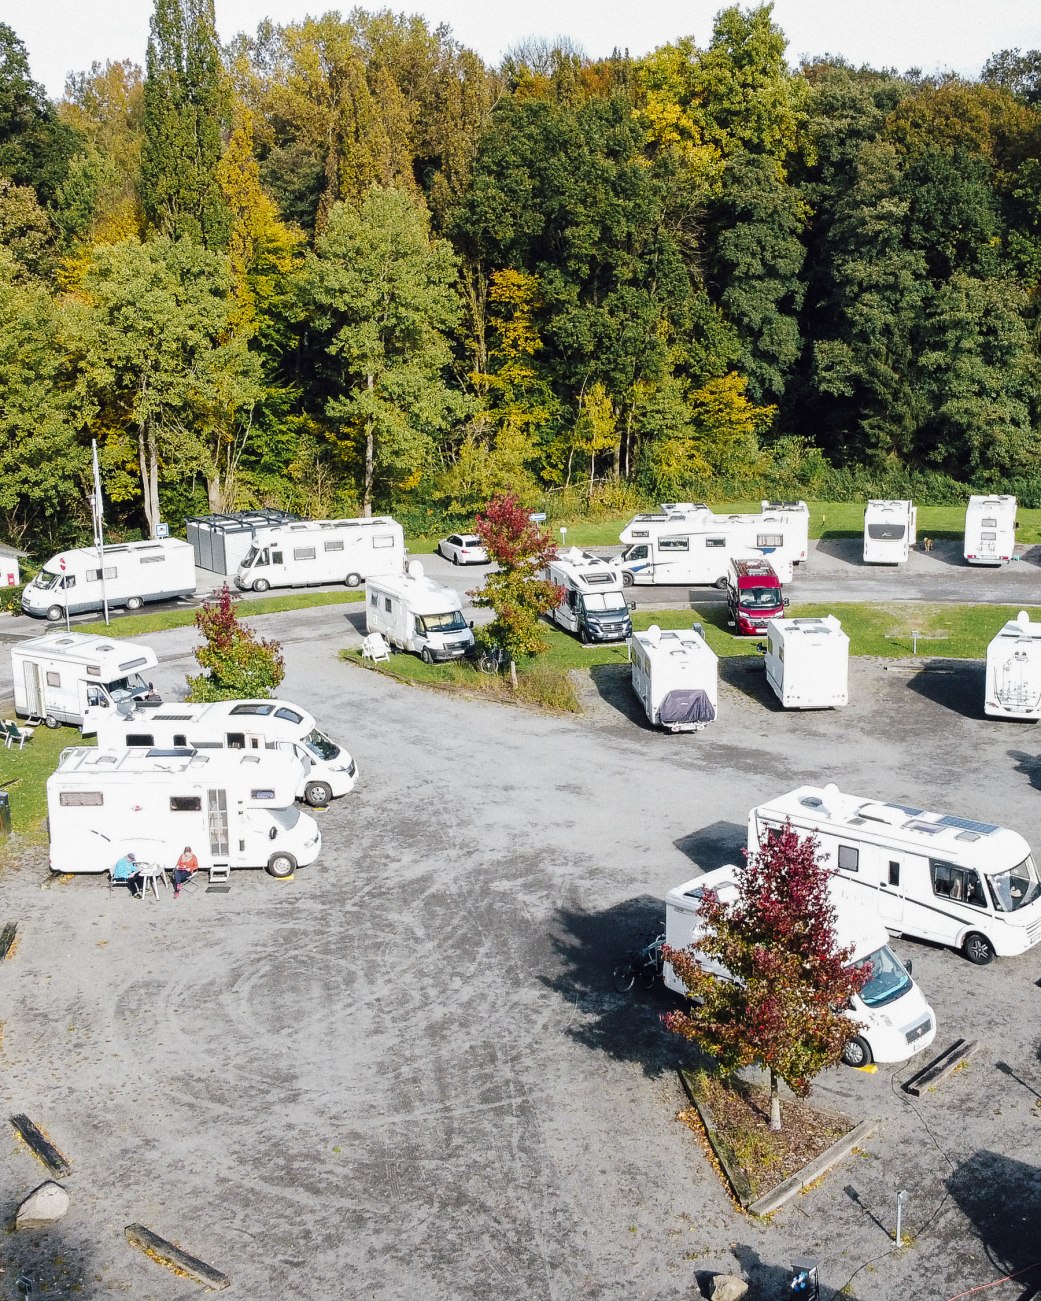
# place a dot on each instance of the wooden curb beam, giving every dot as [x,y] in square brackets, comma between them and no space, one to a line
[41,1146]
[776,1197]
[174,1258]
[940,1067]
[7,939]
[739,1185]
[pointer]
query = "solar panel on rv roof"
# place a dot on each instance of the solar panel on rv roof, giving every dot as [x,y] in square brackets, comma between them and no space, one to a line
[967,824]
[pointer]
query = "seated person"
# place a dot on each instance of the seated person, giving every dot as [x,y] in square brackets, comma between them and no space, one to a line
[126,869]
[187,866]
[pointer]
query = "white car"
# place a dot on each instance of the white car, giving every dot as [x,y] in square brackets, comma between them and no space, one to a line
[463,549]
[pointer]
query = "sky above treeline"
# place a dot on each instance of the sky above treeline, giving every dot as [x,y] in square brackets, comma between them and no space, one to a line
[957,36]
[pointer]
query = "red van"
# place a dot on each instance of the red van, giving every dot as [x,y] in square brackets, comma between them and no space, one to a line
[753,596]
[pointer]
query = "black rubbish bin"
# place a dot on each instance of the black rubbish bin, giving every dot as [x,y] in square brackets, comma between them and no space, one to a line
[5,815]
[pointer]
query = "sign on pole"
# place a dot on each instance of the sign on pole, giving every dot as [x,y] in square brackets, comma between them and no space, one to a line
[539,517]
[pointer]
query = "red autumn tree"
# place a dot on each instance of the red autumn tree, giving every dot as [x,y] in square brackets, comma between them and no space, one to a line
[515,592]
[782,1010]
[239,665]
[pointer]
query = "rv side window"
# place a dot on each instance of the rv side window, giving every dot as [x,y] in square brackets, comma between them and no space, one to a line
[894,873]
[303,553]
[383,540]
[374,601]
[94,575]
[388,604]
[990,523]
[989,537]
[849,859]
[81,799]
[236,740]
[715,542]
[180,739]
[140,738]
[289,715]
[335,545]
[53,679]
[185,803]
[262,795]
[769,540]
[276,557]
[673,544]
[152,560]
[959,883]
[69,581]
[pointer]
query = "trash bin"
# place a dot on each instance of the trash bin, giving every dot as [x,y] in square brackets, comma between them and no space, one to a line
[5,815]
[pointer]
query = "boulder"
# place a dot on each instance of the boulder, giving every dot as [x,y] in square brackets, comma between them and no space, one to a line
[728,1287]
[43,1207]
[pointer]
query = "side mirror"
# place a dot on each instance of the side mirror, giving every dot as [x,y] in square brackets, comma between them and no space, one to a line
[272,833]
[787,602]
[471,625]
[909,966]
[631,605]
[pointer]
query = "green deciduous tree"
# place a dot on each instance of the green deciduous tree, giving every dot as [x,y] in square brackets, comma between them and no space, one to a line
[35,146]
[238,664]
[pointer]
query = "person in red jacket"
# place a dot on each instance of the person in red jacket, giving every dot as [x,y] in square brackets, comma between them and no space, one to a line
[187,866]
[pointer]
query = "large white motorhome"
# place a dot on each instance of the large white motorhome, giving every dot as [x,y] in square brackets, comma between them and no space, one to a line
[235,808]
[413,613]
[130,573]
[1013,684]
[969,884]
[675,676]
[328,770]
[594,604]
[890,529]
[72,677]
[990,530]
[322,551]
[807,662]
[895,1022]
[689,544]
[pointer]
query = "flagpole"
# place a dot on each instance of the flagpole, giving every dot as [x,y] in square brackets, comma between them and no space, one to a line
[99,520]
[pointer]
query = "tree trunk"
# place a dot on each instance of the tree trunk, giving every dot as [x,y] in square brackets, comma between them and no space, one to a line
[513,674]
[214,496]
[775,1103]
[148,462]
[370,438]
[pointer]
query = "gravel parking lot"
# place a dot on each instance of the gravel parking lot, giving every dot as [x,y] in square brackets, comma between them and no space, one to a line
[406,1073]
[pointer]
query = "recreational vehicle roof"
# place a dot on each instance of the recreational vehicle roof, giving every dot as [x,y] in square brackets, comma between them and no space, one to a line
[103,656]
[113,550]
[677,646]
[1021,628]
[213,765]
[587,570]
[299,526]
[424,595]
[808,631]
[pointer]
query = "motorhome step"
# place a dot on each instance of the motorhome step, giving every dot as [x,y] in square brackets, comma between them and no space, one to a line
[173,1257]
[41,1146]
[219,872]
[7,939]
[940,1067]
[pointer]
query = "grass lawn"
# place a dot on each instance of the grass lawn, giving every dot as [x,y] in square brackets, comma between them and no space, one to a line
[139,625]
[24,773]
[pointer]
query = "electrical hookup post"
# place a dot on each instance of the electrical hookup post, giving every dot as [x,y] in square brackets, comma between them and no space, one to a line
[98,516]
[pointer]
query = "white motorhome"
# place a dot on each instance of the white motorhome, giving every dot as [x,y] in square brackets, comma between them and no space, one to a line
[972,885]
[990,530]
[695,546]
[895,1022]
[1013,683]
[807,662]
[328,770]
[235,808]
[72,677]
[594,604]
[131,573]
[414,613]
[322,551]
[675,676]
[890,529]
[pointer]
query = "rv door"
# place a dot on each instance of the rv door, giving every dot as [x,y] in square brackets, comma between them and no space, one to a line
[891,893]
[94,706]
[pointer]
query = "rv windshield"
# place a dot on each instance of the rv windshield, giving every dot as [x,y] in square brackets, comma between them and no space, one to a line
[129,687]
[320,745]
[1017,887]
[759,598]
[888,979]
[45,580]
[600,602]
[450,621]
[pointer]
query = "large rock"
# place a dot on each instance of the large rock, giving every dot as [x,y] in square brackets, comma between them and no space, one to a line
[727,1287]
[43,1207]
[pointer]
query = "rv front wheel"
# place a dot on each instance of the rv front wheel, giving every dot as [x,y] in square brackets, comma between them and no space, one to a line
[54,613]
[134,603]
[627,579]
[978,949]
[857,1052]
[261,585]
[426,656]
[51,721]
[353,580]
[721,583]
[318,794]
[281,865]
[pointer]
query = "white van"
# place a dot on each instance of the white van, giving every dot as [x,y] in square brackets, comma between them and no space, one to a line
[895,1020]
[414,613]
[807,662]
[972,885]
[235,808]
[594,604]
[72,677]
[675,676]
[328,770]
[990,530]
[890,529]
[160,569]
[1013,683]
[322,551]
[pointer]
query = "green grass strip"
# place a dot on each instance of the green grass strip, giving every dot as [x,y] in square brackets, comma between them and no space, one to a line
[139,625]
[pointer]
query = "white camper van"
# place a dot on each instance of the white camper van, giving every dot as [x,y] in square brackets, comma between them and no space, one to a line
[322,551]
[131,573]
[990,530]
[890,529]
[594,604]
[972,885]
[675,676]
[328,770]
[689,544]
[807,662]
[235,808]
[1013,687]
[71,677]
[416,614]
[895,1020]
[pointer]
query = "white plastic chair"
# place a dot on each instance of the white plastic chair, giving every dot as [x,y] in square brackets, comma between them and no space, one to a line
[15,732]
[375,648]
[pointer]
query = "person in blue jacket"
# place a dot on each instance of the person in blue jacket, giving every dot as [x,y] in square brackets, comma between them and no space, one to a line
[126,869]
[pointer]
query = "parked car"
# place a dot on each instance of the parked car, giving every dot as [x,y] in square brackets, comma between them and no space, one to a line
[463,549]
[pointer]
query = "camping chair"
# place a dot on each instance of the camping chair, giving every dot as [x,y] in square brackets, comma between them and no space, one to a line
[11,732]
[375,648]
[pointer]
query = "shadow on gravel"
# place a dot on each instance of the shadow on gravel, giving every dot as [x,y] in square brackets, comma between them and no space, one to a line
[1029,765]
[957,685]
[1001,1197]
[765,1280]
[711,847]
[613,682]
[48,1263]
[747,674]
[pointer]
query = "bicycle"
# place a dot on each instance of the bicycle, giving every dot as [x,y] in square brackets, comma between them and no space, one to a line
[493,660]
[643,965]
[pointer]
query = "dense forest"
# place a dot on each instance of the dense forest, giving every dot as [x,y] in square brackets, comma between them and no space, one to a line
[341,265]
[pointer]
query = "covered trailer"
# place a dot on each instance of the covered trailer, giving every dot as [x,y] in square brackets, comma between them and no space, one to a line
[675,677]
[1013,682]
[76,678]
[807,662]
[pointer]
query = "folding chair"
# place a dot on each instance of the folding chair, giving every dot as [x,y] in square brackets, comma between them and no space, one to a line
[12,732]
[375,648]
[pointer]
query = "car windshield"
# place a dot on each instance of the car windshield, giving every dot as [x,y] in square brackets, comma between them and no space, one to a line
[320,745]
[888,979]
[286,818]
[597,602]
[450,621]
[759,598]
[45,580]
[125,688]
[1017,887]
[249,557]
